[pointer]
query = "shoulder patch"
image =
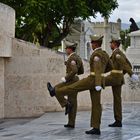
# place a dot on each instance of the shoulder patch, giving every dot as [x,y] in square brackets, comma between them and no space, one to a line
[96,58]
[73,62]
[118,56]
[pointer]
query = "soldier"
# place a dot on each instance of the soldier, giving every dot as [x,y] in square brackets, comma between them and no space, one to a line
[99,62]
[121,65]
[74,67]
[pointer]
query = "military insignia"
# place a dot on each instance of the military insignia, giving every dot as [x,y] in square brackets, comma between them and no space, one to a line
[96,58]
[73,62]
[118,56]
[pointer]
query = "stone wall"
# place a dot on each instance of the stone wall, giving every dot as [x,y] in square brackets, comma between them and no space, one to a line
[7,29]
[7,32]
[26,75]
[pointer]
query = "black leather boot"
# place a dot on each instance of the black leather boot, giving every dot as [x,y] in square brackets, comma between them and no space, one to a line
[51,89]
[94,131]
[69,126]
[68,108]
[116,124]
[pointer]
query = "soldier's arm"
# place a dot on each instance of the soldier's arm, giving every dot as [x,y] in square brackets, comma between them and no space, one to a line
[98,70]
[109,66]
[124,64]
[74,70]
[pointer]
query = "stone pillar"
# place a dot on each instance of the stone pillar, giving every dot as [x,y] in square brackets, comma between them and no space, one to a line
[106,36]
[7,32]
[7,29]
[2,89]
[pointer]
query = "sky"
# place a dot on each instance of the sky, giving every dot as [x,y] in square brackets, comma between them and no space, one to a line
[126,9]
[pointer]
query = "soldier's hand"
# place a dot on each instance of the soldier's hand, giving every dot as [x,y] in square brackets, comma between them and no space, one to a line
[98,88]
[135,78]
[63,79]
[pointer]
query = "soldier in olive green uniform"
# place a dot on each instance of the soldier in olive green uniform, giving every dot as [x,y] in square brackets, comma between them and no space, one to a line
[74,67]
[121,65]
[99,62]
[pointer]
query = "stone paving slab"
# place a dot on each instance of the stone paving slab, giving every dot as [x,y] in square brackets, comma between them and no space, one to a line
[50,126]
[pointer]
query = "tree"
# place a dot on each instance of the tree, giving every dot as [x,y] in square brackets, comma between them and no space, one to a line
[49,21]
[125,38]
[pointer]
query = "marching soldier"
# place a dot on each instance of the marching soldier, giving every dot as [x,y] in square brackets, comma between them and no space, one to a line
[74,67]
[99,63]
[121,65]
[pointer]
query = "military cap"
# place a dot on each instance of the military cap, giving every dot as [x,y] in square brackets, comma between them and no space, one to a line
[96,38]
[118,40]
[69,44]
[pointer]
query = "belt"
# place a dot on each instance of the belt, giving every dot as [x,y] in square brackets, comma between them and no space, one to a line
[106,74]
[117,71]
[93,73]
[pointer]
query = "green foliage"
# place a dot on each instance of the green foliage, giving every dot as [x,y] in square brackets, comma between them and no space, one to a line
[125,38]
[105,7]
[49,21]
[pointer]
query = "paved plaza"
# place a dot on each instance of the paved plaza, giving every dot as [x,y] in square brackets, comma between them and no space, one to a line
[50,126]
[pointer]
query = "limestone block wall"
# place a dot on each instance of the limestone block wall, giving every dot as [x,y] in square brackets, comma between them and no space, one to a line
[26,75]
[7,32]
[7,29]
[7,22]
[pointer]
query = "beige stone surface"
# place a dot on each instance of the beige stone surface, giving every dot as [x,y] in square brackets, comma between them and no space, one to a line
[7,32]
[7,29]
[26,77]
[2,90]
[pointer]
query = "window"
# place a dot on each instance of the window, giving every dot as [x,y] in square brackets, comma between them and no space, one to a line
[136,68]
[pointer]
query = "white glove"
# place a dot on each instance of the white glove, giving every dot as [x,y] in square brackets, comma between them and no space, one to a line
[63,79]
[135,78]
[98,88]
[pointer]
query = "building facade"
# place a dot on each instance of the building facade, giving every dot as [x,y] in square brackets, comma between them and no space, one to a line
[109,30]
[81,31]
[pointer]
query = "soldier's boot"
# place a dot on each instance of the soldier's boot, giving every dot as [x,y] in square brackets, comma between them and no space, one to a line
[51,89]
[69,126]
[68,108]
[94,131]
[116,124]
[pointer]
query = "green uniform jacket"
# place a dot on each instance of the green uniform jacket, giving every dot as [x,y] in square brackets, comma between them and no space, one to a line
[120,62]
[99,64]
[72,66]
